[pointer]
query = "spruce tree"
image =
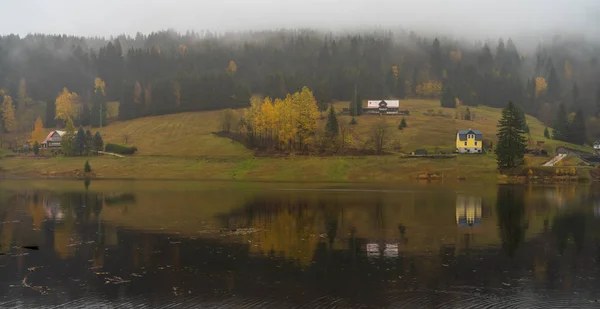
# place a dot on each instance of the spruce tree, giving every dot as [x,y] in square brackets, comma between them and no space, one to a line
[332,126]
[80,142]
[468,114]
[577,130]
[50,113]
[98,142]
[89,142]
[448,99]
[98,112]
[356,105]
[553,85]
[403,123]
[36,148]
[87,168]
[436,59]
[575,96]
[511,145]
[546,133]
[68,143]
[598,101]
[560,128]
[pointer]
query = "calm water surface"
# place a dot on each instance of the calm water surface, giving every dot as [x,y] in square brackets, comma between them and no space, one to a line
[208,245]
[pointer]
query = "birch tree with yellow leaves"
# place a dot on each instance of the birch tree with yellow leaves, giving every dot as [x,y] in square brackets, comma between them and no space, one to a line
[9,121]
[307,113]
[282,124]
[66,105]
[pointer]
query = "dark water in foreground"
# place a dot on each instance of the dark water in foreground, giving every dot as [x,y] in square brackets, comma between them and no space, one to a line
[231,245]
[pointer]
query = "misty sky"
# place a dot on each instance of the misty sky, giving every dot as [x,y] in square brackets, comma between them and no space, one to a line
[455,17]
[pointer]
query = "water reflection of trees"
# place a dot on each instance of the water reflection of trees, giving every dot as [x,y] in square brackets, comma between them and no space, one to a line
[512,223]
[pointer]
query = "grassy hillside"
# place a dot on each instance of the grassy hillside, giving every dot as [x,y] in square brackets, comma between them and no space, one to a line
[181,146]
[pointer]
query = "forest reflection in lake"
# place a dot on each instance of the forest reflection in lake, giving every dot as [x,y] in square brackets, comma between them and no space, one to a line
[236,246]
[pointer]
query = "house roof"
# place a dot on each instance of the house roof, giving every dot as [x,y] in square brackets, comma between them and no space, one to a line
[462,134]
[60,133]
[376,103]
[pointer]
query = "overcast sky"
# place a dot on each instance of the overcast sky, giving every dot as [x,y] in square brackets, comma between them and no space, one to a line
[457,17]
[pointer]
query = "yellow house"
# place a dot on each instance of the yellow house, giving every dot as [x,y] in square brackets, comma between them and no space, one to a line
[469,141]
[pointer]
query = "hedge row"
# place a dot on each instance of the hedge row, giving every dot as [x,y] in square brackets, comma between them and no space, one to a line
[120,149]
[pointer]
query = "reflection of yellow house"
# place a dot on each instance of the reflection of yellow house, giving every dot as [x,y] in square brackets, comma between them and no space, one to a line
[468,210]
[469,141]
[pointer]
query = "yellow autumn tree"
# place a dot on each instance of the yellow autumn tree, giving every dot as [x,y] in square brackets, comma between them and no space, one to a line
[38,134]
[395,71]
[250,116]
[182,49]
[66,104]
[540,86]
[307,113]
[568,69]
[137,93]
[232,68]
[99,85]
[455,56]
[177,93]
[8,113]
[430,89]
[286,122]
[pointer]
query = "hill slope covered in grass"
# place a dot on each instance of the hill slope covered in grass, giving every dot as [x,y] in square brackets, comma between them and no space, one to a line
[182,146]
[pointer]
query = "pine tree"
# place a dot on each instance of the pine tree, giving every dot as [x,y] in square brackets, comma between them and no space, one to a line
[546,133]
[87,168]
[98,112]
[553,85]
[80,142]
[332,127]
[98,142]
[468,114]
[89,142]
[510,149]
[448,99]
[436,59]
[577,130]
[69,141]
[356,104]
[575,95]
[402,124]
[598,101]
[560,128]
[36,148]
[50,113]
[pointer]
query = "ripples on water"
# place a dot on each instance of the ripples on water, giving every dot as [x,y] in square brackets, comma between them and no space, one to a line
[215,246]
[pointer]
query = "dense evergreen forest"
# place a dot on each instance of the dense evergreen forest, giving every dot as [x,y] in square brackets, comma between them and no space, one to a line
[169,72]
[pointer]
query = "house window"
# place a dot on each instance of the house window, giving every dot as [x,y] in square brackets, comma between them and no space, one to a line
[465,143]
[475,143]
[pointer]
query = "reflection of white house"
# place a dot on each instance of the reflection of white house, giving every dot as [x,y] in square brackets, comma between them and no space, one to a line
[468,210]
[53,140]
[53,210]
[390,250]
[597,146]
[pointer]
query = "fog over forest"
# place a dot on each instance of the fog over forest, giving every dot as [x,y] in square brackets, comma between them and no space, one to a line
[469,18]
[539,54]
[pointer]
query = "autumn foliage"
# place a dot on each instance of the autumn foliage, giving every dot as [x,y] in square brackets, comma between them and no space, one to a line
[282,124]
[430,89]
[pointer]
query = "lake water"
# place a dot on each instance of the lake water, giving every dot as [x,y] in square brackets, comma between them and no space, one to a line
[238,245]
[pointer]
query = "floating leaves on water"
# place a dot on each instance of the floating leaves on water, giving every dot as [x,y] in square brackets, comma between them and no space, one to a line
[115,280]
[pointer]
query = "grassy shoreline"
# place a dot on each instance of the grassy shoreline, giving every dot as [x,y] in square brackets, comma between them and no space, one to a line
[183,147]
[298,168]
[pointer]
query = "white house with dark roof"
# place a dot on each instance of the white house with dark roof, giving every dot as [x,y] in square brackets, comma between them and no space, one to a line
[53,140]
